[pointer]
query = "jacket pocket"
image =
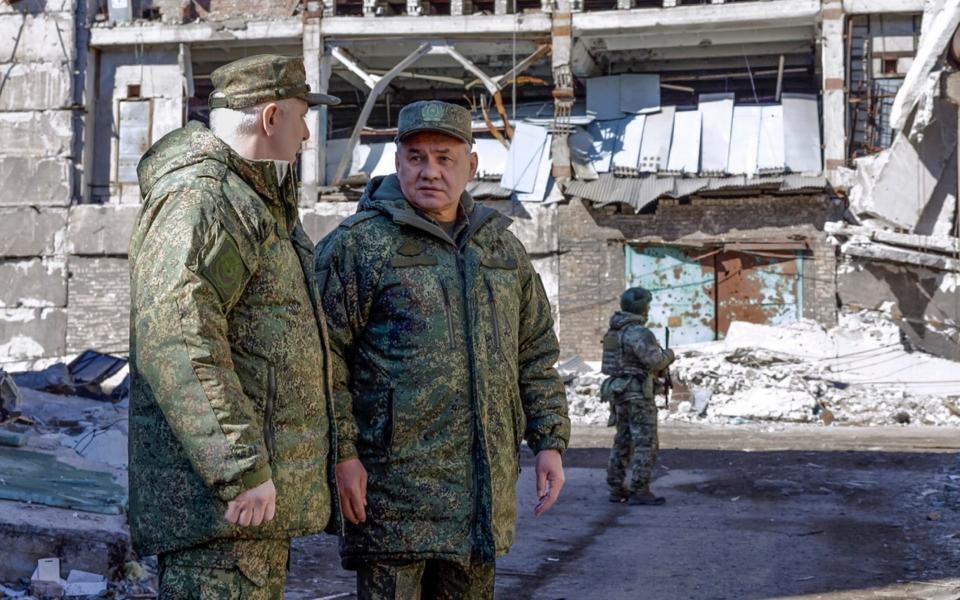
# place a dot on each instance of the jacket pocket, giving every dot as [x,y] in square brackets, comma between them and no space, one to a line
[448,310]
[268,430]
[495,317]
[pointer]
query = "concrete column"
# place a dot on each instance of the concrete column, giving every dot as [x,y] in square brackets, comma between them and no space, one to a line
[313,158]
[834,87]
[503,7]
[624,4]
[461,7]
[563,95]
[414,8]
[669,3]
[369,8]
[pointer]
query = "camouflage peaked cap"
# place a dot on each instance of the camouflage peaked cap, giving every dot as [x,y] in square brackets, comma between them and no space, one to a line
[635,300]
[263,78]
[433,115]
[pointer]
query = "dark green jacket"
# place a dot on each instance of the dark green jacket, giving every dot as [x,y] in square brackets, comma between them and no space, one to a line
[228,354]
[450,350]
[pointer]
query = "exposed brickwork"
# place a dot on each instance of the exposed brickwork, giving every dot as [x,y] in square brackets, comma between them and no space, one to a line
[593,264]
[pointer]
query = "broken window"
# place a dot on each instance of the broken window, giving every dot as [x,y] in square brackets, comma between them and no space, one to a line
[880,50]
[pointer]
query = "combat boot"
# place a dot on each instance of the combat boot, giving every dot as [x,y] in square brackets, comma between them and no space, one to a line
[618,496]
[644,497]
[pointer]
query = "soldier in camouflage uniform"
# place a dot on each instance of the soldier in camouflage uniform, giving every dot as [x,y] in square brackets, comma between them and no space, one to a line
[634,362]
[447,331]
[231,419]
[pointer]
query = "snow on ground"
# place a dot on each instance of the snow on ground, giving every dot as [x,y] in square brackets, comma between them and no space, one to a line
[858,373]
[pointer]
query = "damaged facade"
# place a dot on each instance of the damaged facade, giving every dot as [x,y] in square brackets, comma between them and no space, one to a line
[699,149]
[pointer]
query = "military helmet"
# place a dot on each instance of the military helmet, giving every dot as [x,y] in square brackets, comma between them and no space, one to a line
[635,300]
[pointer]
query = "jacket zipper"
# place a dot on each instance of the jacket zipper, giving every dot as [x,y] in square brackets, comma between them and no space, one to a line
[449,311]
[493,310]
[268,412]
[477,430]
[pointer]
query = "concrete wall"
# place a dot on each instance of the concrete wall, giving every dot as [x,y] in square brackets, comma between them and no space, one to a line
[37,54]
[925,302]
[593,260]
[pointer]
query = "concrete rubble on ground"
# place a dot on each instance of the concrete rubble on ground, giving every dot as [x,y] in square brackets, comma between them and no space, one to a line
[69,424]
[859,373]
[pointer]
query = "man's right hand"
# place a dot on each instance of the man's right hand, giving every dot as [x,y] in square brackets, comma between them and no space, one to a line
[352,481]
[254,506]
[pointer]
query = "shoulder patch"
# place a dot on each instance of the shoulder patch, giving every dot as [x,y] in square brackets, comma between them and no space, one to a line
[223,268]
[358,218]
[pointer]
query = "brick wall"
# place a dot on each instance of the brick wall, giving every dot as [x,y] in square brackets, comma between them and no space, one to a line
[593,262]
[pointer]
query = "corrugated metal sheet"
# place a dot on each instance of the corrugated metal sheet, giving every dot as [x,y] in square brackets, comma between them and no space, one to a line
[640,93]
[603,97]
[523,161]
[770,156]
[801,126]
[641,191]
[488,189]
[657,135]
[685,149]
[626,153]
[744,141]
[716,112]
[604,135]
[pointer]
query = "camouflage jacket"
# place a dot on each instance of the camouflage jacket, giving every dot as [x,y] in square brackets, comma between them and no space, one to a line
[228,349]
[451,348]
[639,347]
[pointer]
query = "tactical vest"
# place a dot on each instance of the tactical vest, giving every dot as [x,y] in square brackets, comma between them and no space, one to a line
[616,363]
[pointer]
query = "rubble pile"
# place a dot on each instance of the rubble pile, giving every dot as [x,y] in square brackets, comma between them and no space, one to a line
[63,453]
[858,373]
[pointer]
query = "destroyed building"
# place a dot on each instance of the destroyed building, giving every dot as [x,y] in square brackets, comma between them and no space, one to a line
[754,160]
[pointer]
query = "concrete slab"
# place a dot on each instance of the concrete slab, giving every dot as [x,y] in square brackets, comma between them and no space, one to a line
[28,334]
[36,133]
[99,305]
[96,230]
[36,86]
[35,283]
[31,232]
[42,37]
[324,217]
[27,181]
[535,225]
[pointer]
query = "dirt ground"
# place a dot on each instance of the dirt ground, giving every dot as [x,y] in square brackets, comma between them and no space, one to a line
[798,512]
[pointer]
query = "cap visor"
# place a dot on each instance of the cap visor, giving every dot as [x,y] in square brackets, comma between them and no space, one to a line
[317,99]
[451,132]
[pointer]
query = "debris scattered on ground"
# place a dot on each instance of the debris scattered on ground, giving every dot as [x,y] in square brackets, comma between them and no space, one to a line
[9,397]
[858,373]
[91,375]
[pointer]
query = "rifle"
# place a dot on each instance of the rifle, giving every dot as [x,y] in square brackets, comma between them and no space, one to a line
[667,378]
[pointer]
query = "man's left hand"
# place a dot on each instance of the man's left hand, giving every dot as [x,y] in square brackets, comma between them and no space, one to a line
[549,470]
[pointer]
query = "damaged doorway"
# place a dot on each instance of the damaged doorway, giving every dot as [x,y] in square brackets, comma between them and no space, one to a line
[699,292]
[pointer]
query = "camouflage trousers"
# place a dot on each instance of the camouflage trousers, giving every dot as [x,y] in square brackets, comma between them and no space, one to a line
[424,580]
[225,570]
[635,444]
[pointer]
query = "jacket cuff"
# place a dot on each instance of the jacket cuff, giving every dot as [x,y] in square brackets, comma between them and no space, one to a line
[346,450]
[252,479]
[548,443]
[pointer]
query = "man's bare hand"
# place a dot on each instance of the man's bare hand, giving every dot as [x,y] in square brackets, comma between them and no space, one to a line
[352,481]
[254,506]
[549,470]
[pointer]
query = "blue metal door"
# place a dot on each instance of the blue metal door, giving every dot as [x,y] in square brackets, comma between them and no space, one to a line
[684,291]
